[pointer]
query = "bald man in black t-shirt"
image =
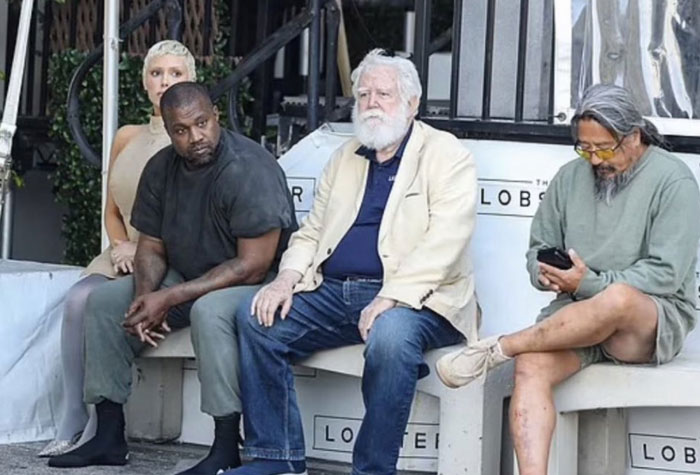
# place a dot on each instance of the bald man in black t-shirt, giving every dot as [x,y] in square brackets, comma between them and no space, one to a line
[214,215]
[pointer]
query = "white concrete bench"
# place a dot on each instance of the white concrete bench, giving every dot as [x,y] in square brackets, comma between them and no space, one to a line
[471,418]
[606,385]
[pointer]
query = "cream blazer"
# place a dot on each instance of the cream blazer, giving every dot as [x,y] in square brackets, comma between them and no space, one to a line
[425,231]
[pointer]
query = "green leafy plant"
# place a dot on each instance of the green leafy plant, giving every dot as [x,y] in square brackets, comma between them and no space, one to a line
[77,183]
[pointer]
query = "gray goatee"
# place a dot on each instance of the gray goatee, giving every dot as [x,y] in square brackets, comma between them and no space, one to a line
[607,188]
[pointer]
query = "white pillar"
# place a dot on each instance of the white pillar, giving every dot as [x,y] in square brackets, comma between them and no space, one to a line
[562,61]
[110,96]
[4,14]
[304,39]
[409,31]
[9,118]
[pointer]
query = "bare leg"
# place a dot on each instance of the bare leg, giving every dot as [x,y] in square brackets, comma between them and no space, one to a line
[620,318]
[532,412]
[618,314]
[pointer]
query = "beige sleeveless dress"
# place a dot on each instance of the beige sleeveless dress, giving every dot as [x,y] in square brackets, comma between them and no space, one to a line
[124,179]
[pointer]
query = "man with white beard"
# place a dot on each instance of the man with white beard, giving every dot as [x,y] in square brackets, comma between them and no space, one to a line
[382,259]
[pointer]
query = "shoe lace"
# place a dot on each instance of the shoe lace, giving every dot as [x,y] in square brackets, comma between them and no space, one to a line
[486,363]
[488,356]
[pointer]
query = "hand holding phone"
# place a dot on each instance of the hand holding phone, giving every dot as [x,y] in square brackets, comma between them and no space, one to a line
[555,257]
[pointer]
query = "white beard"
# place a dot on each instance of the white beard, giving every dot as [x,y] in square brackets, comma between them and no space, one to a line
[376,130]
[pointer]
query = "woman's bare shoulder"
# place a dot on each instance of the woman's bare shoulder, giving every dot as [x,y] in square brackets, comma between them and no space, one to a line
[123,136]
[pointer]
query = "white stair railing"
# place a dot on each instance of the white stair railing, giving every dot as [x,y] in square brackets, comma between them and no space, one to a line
[9,121]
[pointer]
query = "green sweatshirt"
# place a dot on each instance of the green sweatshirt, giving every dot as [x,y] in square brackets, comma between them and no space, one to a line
[647,237]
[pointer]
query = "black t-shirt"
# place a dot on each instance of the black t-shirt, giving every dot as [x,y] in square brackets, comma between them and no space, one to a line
[199,214]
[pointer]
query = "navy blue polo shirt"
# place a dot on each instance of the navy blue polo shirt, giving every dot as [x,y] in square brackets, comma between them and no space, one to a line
[357,254]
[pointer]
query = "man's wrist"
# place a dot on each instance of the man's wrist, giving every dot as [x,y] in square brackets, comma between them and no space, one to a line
[144,289]
[289,278]
[173,296]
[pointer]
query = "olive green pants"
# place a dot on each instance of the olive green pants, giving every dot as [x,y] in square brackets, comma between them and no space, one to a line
[110,350]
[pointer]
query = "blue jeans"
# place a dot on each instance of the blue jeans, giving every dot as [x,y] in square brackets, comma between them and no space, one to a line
[327,318]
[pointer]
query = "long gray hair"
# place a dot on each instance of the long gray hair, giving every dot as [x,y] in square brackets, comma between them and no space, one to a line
[613,108]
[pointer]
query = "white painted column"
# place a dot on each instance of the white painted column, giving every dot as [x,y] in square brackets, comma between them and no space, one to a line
[562,61]
[110,95]
[9,120]
[409,28]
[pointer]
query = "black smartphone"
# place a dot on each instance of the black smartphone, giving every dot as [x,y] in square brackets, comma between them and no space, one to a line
[555,257]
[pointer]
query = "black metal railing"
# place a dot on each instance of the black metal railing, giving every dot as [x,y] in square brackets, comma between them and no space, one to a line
[517,127]
[307,18]
[420,49]
[522,56]
[73,112]
[282,37]
[485,124]
[256,58]
[488,60]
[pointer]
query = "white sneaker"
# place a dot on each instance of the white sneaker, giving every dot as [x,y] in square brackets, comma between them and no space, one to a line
[463,366]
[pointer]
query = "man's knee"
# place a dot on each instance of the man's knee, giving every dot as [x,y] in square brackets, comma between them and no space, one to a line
[527,366]
[533,368]
[108,301]
[243,310]
[391,338]
[617,299]
[243,319]
[545,370]
[219,309]
[204,316]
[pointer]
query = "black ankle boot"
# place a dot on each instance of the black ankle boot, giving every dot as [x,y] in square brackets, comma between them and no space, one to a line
[108,447]
[223,454]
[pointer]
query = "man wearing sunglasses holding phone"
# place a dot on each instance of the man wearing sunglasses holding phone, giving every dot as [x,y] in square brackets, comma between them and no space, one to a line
[628,216]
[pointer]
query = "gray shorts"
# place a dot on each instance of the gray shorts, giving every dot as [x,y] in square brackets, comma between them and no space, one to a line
[671,331]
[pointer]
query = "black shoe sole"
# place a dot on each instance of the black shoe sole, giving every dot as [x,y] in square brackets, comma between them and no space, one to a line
[61,461]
